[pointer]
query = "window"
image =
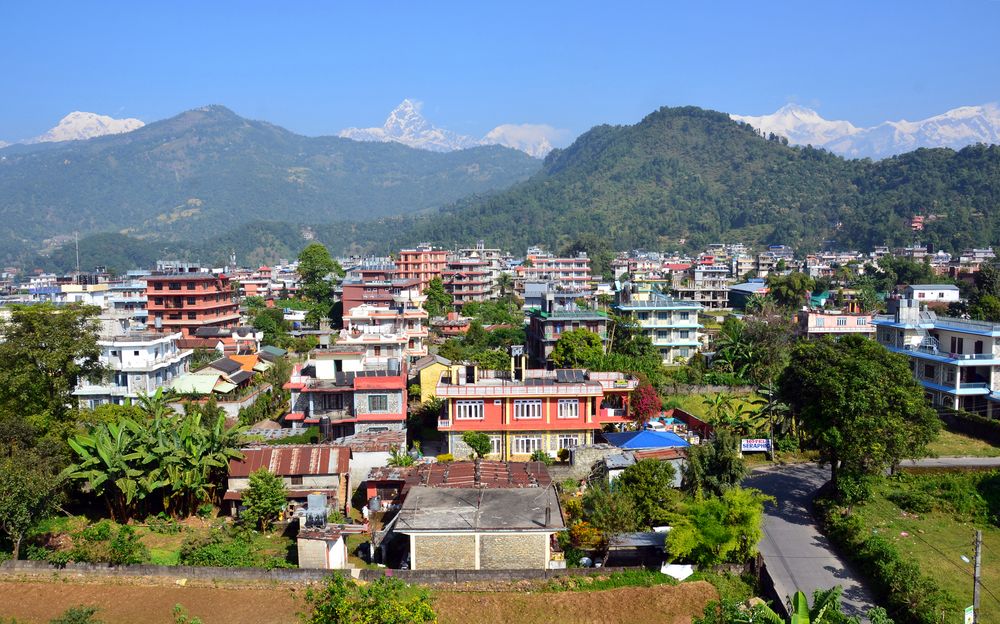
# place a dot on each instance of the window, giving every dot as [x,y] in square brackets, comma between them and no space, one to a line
[331,401]
[928,371]
[496,443]
[569,408]
[862,321]
[527,408]
[820,321]
[841,321]
[683,351]
[568,440]
[296,480]
[684,316]
[468,410]
[192,315]
[685,334]
[662,316]
[643,316]
[378,403]
[191,300]
[527,444]
[135,353]
[190,285]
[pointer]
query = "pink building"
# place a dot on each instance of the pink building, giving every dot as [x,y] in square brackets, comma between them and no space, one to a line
[816,323]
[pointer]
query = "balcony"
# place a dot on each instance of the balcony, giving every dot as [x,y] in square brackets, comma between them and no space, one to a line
[444,423]
[334,414]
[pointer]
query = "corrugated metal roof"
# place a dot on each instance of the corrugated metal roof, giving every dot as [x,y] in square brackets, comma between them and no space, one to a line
[293,460]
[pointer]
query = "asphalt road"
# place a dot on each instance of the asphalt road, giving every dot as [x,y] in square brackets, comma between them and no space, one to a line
[798,556]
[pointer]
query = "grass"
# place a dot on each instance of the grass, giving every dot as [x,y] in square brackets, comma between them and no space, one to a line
[694,404]
[937,539]
[729,586]
[615,580]
[951,444]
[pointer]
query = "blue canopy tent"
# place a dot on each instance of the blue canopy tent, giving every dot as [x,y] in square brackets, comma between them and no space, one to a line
[635,440]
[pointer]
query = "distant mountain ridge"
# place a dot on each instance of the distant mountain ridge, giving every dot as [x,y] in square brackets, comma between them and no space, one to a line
[957,128]
[79,125]
[208,169]
[406,125]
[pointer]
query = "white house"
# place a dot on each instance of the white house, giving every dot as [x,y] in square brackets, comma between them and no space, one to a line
[137,363]
[925,293]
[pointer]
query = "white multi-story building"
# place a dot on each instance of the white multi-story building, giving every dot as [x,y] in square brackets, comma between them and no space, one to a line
[671,324]
[957,361]
[138,363]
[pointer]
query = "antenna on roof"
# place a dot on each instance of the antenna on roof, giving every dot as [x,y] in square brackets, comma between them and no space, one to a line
[76,239]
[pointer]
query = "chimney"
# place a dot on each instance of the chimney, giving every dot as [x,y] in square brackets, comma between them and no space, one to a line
[548,515]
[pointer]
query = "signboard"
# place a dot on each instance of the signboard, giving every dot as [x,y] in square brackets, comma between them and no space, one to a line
[621,383]
[517,350]
[755,445]
[970,617]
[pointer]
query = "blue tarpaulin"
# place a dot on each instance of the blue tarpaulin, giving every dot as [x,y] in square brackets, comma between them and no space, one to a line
[645,440]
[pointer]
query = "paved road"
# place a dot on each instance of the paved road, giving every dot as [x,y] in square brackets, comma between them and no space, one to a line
[797,555]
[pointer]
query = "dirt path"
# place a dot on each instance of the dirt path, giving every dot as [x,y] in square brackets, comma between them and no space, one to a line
[36,601]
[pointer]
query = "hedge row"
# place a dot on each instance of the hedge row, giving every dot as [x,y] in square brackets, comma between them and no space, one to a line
[910,596]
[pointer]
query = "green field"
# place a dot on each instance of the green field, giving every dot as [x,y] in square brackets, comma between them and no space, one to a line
[935,528]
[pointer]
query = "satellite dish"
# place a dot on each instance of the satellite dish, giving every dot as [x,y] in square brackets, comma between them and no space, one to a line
[585,562]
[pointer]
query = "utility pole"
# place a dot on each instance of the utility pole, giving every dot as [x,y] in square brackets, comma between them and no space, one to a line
[976,581]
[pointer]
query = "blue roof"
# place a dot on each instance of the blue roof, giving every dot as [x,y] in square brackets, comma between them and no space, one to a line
[645,439]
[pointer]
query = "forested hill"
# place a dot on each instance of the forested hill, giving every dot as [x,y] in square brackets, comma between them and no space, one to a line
[684,177]
[209,170]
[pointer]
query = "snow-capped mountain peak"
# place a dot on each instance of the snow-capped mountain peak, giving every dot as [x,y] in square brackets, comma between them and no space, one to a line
[956,129]
[406,125]
[80,125]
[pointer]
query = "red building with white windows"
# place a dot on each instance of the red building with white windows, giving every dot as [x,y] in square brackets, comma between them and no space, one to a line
[188,301]
[422,264]
[546,410]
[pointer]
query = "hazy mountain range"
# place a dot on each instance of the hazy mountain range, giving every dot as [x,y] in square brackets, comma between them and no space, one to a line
[406,125]
[956,129]
[80,125]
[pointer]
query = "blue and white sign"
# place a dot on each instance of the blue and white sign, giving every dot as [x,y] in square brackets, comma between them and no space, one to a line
[755,445]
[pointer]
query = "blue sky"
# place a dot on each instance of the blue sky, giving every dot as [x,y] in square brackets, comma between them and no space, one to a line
[318,67]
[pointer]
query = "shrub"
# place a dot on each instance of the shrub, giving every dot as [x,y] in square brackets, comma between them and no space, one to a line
[446,457]
[219,550]
[573,509]
[913,502]
[478,441]
[385,599]
[164,524]
[584,535]
[563,454]
[77,615]
[542,456]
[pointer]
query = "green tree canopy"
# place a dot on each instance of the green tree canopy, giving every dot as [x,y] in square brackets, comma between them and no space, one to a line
[264,499]
[789,291]
[478,441]
[719,529]
[650,485]
[46,351]
[438,301]
[317,273]
[385,600]
[714,468]
[860,405]
[29,491]
[576,348]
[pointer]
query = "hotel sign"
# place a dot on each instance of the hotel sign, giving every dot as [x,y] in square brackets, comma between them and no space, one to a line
[755,445]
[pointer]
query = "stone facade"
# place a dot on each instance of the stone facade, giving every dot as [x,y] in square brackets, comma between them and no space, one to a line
[443,552]
[513,552]
[394,402]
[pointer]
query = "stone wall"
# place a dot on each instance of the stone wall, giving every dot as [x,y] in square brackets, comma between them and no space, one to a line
[444,552]
[513,552]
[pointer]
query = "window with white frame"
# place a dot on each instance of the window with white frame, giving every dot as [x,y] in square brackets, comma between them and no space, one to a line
[468,410]
[569,408]
[496,443]
[841,321]
[568,440]
[862,321]
[527,444]
[527,408]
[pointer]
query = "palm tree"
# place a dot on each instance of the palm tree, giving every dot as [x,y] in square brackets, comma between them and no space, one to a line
[505,283]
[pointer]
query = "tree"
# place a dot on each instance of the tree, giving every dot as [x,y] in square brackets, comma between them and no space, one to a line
[650,484]
[626,337]
[505,284]
[264,499]
[46,351]
[479,442]
[29,492]
[385,600]
[714,468]
[399,459]
[861,406]
[438,302]
[609,510]
[492,359]
[317,270]
[826,609]
[789,291]
[575,348]
[644,403]
[723,529]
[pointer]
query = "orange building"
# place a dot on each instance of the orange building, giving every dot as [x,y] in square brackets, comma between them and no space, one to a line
[185,302]
[422,264]
[543,411]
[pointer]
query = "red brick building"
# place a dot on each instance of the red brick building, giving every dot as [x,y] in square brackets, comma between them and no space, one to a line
[185,302]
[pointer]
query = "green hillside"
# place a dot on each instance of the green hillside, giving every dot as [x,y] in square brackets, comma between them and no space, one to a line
[685,177]
[207,171]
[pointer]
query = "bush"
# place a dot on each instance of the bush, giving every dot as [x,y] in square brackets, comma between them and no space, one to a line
[163,524]
[913,502]
[220,550]
[77,615]
[446,457]
[563,454]
[103,542]
[542,456]
[584,535]
[385,599]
